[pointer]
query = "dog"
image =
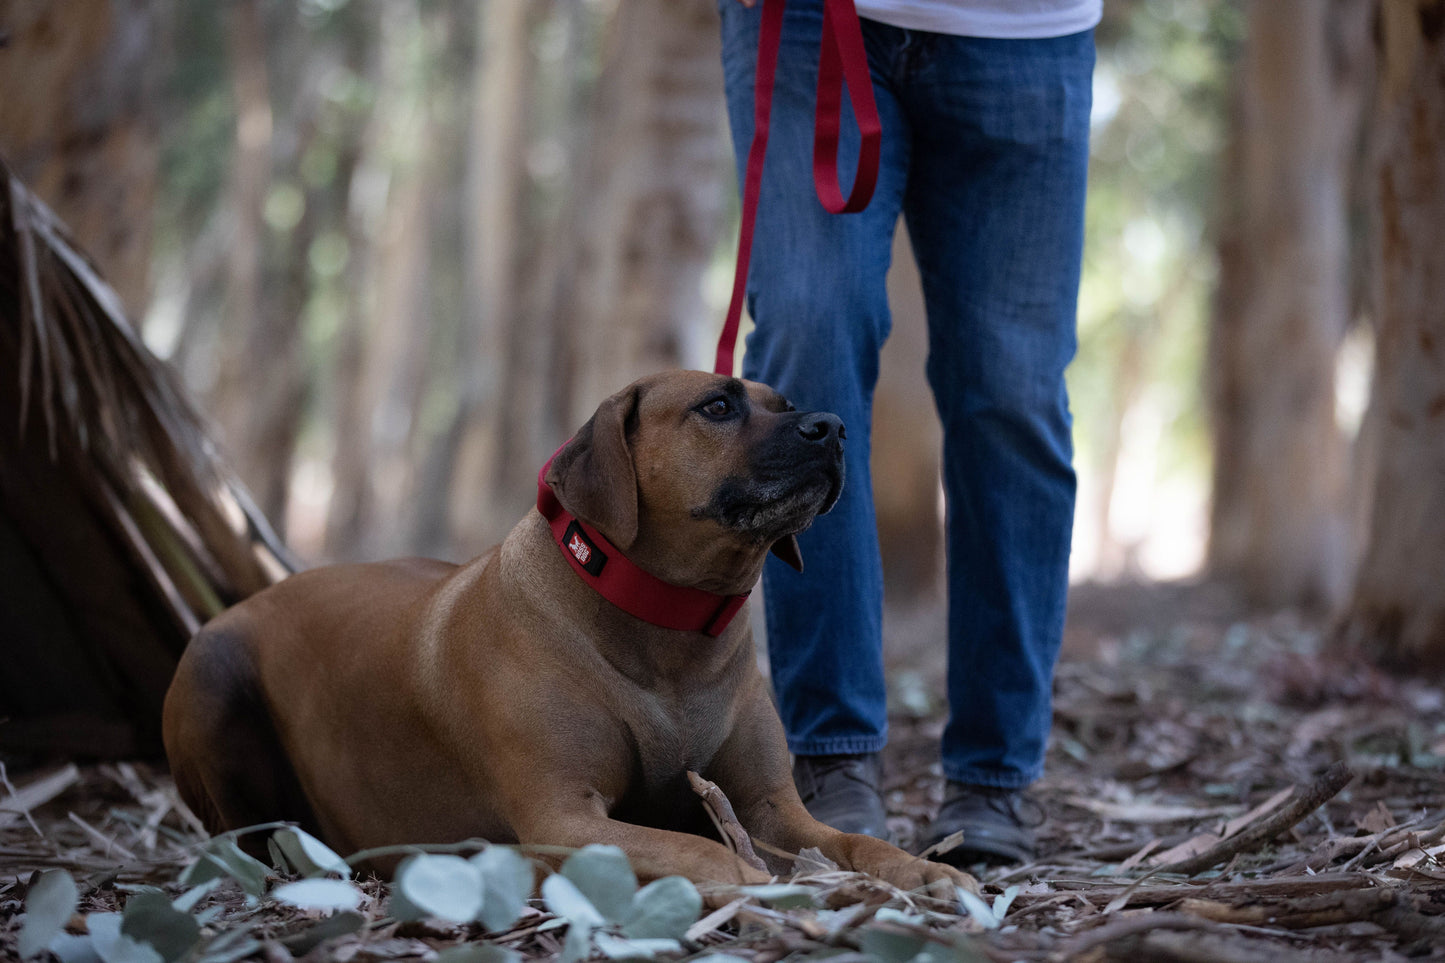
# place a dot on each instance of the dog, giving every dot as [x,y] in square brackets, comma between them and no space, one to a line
[523,697]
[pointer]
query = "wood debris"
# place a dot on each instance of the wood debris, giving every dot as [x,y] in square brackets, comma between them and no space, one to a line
[1195,813]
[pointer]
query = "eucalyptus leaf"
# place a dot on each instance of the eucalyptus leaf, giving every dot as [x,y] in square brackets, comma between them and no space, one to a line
[578,944]
[222,857]
[890,945]
[780,895]
[187,901]
[564,899]
[1002,904]
[319,894]
[150,918]
[205,869]
[210,914]
[305,940]
[113,946]
[232,954]
[49,904]
[230,945]
[507,878]
[888,914]
[278,857]
[981,912]
[617,948]
[663,909]
[445,887]
[605,877]
[479,953]
[132,888]
[69,948]
[309,855]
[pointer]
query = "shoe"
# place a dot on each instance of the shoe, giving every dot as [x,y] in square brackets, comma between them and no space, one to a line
[997,825]
[842,792]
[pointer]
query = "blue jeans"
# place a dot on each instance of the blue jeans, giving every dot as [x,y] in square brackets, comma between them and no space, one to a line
[985,153]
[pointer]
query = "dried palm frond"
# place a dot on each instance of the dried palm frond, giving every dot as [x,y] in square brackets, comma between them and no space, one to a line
[116,499]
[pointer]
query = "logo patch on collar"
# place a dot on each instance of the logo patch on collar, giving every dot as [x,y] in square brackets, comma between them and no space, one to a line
[580,547]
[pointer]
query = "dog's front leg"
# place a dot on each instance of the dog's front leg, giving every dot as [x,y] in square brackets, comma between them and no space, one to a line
[654,853]
[752,769]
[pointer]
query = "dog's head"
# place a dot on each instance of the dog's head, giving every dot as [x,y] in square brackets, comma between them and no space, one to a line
[696,476]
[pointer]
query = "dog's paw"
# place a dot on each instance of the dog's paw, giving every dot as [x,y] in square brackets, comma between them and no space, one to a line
[906,871]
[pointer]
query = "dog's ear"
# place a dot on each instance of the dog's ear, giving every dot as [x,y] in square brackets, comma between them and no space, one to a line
[593,474]
[787,550]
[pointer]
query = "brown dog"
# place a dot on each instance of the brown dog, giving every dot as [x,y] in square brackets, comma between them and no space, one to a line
[419,701]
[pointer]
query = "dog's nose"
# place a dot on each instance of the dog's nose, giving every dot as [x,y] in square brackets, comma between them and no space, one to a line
[821,427]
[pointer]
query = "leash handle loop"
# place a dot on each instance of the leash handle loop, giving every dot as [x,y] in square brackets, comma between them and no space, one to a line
[842,60]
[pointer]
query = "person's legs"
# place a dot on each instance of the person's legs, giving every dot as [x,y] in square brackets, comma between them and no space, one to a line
[995,211]
[816,292]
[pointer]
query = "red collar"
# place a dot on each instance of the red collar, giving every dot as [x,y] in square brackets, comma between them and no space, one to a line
[601,565]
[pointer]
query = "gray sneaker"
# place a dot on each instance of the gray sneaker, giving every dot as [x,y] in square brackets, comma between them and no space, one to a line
[843,791]
[997,825]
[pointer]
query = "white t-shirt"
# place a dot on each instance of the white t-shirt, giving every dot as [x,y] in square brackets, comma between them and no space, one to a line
[1004,19]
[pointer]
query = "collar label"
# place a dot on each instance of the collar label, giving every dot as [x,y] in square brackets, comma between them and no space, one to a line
[580,547]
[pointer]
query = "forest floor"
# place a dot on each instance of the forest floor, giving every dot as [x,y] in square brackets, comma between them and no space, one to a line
[1217,789]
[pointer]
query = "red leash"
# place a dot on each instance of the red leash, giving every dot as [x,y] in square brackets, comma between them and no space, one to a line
[841,59]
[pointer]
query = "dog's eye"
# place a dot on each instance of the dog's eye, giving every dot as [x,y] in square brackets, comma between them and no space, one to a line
[718,408]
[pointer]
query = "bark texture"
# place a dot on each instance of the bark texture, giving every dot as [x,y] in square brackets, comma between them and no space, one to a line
[654,201]
[1397,613]
[1277,523]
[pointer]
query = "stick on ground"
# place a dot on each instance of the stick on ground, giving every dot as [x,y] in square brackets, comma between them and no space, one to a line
[1266,828]
[717,806]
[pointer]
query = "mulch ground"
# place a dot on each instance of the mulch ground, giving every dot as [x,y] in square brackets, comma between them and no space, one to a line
[1217,790]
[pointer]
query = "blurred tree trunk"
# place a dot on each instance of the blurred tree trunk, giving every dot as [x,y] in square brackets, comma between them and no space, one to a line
[78,123]
[244,376]
[482,505]
[386,330]
[621,293]
[653,195]
[1278,525]
[1397,613]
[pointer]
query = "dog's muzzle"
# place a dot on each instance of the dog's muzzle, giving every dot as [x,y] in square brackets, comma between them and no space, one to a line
[793,477]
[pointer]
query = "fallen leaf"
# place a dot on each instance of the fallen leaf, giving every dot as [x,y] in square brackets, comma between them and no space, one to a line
[1377,820]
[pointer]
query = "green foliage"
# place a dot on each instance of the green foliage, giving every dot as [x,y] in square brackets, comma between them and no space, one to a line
[596,892]
[305,854]
[444,887]
[594,896]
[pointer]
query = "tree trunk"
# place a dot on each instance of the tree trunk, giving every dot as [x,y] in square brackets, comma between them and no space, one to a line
[623,287]
[654,198]
[387,229]
[78,123]
[482,504]
[1397,613]
[1277,525]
